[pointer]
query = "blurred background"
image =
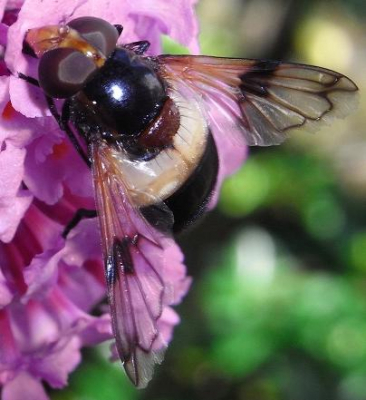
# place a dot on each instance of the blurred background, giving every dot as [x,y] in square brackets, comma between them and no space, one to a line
[277,309]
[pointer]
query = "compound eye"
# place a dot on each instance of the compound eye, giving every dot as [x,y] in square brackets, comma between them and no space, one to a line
[63,72]
[98,32]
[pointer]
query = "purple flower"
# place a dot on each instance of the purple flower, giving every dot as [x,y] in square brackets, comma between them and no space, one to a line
[49,285]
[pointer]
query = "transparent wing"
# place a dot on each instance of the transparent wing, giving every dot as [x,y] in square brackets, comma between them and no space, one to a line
[261,100]
[134,259]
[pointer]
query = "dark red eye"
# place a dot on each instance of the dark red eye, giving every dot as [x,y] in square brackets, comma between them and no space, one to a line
[99,33]
[63,72]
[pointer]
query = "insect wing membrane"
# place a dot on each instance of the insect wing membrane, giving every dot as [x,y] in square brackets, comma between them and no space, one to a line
[261,100]
[134,260]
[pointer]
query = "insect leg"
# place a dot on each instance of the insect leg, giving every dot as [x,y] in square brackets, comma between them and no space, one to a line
[80,214]
[28,50]
[138,47]
[63,121]
[119,28]
[28,79]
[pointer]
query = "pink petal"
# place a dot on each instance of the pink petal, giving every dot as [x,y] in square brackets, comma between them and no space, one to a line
[98,331]
[3,34]
[59,362]
[5,293]
[231,157]
[16,129]
[83,243]
[14,4]
[2,8]
[174,273]
[24,386]
[82,287]
[51,162]
[12,210]
[4,98]
[11,171]
[26,99]
[41,275]
[11,12]
[9,351]
[183,27]
[231,150]
[13,203]
[166,323]
[34,327]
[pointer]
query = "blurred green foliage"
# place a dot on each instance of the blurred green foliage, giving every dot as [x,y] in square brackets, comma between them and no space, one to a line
[316,313]
[277,310]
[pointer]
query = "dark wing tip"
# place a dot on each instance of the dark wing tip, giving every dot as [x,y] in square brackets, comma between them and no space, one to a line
[279,98]
[263,100]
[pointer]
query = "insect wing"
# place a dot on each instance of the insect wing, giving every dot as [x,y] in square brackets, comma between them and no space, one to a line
[261,100]
[134,260]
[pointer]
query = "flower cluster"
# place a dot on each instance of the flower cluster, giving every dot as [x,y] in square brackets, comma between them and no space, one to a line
[50,285]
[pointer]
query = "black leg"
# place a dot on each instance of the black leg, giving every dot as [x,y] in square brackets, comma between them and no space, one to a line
[62,122]
[138,47]
[28,79]
[28,50]
[119,28]
[80,214]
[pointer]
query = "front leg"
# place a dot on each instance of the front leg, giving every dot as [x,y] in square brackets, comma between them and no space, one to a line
[63,121]
[138,47]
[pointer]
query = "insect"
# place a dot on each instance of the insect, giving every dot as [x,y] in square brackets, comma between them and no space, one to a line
[148,127]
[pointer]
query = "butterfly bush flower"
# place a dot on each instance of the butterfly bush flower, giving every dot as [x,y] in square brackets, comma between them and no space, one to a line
[49,285]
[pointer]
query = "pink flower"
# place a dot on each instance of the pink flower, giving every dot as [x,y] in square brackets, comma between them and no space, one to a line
[46,296]
[49,285]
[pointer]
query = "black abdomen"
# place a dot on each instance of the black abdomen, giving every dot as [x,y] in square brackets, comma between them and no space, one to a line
[190,201]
